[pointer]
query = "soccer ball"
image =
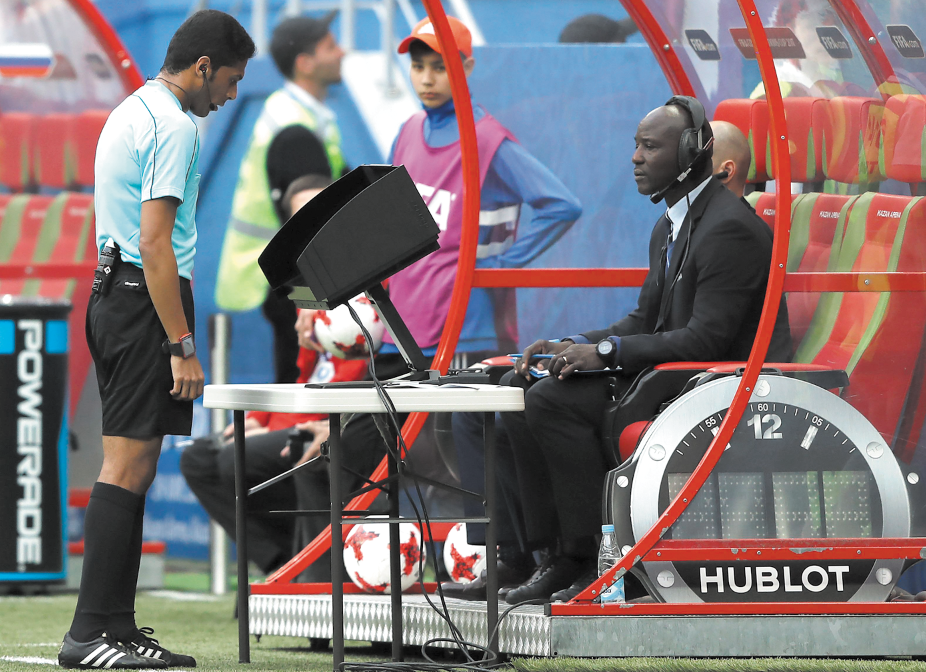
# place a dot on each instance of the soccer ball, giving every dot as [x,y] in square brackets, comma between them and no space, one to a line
[464,562]
[366,556]
[341,336]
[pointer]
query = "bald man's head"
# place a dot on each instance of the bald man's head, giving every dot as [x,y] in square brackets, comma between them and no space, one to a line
[731,154]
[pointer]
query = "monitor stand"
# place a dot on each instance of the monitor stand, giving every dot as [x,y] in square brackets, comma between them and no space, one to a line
[408,348]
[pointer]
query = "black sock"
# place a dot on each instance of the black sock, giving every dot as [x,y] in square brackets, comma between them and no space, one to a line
[122,617]
[514,557]
[108,526]
[580,549]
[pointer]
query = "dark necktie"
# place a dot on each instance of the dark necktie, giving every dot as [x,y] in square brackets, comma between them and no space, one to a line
[670,243]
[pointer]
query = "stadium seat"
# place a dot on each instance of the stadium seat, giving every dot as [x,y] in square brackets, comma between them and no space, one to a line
[875,337]
[751,117]
[817,223]
[53,155]
[85,131]
[764,205]
[17,131]
[807,118]
[852,140]
[904,130]
[67,237]
[20,233]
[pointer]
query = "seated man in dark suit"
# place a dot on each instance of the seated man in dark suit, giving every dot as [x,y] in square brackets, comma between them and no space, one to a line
[709,263]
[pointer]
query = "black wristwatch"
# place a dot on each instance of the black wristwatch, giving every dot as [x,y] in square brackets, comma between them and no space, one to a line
[607,350]
[184,348]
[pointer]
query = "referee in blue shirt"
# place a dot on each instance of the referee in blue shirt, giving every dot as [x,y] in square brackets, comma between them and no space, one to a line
[140,323]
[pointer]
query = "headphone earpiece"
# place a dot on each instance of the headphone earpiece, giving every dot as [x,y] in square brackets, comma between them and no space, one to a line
[202,69]
[692,141]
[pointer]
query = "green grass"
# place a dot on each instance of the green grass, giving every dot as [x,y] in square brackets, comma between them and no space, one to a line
[713,665]
[32,627]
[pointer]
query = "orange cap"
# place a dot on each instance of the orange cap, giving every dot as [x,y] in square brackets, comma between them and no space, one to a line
[424,31]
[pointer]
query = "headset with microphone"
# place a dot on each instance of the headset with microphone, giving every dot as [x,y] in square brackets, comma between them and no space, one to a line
[212,106]
[692,146]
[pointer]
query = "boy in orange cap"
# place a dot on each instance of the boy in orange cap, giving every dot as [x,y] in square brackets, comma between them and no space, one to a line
[428,144]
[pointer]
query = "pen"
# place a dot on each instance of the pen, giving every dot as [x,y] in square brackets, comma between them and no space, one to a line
[520,355]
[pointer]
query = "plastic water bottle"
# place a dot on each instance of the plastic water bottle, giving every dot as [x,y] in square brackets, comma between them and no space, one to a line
[609,553]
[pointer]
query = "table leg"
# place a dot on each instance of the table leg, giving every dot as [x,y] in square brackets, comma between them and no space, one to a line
[491,542]
[241,538]
[337,581]
[395,570]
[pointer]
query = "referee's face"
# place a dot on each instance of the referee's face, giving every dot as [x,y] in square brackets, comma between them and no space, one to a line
[218,88]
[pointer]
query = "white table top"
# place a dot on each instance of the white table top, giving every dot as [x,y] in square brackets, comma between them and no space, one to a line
[407,398]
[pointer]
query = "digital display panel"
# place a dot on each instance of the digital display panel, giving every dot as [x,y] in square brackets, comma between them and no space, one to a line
[797,505]
[701,519]
[742,506]
[847,498]
[803,504]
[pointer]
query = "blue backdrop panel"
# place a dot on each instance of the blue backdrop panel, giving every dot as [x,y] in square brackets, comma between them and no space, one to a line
[576,108]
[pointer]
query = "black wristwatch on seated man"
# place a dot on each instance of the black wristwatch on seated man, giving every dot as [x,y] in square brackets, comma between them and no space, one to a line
[184,347]
[607,351]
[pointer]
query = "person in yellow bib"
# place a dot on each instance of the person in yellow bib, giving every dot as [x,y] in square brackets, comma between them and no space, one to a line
[296,134]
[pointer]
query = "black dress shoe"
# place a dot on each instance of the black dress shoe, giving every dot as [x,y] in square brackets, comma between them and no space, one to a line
[580,584]
[556,573]
[476,590]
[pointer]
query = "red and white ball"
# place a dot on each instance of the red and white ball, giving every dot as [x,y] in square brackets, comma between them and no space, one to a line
[464,562]
[337,332]
[366,556]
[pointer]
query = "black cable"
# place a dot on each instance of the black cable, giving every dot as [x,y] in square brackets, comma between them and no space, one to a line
[490,660]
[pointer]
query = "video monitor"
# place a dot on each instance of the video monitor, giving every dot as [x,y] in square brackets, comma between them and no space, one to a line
[357,232]
[360,230]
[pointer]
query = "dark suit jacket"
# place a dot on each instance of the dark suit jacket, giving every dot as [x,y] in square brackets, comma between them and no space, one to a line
[711,311]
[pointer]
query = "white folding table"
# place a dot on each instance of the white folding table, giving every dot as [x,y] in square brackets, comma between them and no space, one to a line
[407,397]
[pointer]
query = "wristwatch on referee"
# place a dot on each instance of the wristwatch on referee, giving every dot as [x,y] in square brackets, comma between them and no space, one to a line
[184,348]
[607,351]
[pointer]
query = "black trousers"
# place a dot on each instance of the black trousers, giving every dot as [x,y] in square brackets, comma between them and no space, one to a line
[281,313]
[559,456]
[209,470]
[468,440]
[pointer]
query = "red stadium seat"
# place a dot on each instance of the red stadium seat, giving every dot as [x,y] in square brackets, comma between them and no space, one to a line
[54,156]
[904,128]
[806,118]
[69,228]
[875,336]
[751,117]
[17,131]
[85,132]
[853,137]
[21,234]
[764,204]
[814,219]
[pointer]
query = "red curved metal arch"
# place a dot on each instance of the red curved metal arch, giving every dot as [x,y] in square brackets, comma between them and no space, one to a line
[123,62]
[867,43]
[661,46]
[781,162]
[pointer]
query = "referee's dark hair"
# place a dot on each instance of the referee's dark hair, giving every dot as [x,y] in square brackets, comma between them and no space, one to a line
[297,35]
[211,33]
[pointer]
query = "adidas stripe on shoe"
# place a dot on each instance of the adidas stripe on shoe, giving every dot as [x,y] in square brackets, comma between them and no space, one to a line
[103,654]
[146,645]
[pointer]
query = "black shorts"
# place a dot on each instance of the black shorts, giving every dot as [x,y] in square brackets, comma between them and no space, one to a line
[125,337]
